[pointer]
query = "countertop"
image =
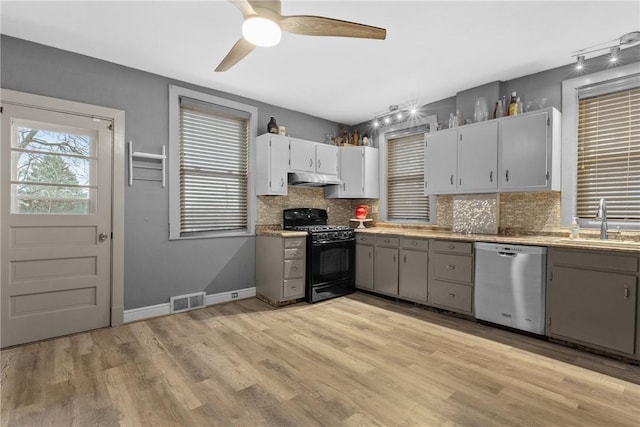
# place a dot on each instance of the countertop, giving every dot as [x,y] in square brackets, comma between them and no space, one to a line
[554,240]
[532,240]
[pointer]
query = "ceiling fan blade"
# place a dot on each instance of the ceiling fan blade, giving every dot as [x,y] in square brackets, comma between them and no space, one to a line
[245,8]
[239,50]
[271,5]
[320,26]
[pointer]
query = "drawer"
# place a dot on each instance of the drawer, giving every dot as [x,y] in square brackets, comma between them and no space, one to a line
[415,244]
[452,267]
[452,295]
[293,288]
[450,246]
[293,268]
[294,243]
[387,241]
[594,259]
[365,239]
[294,253]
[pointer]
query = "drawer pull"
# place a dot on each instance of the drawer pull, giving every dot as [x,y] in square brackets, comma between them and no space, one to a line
[452,246]
[414,243]
[294,268]
[386,240]
[451,267]
[294,287]
[452,295]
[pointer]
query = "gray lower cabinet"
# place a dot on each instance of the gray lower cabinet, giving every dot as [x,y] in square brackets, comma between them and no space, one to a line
[385,276]
[592,299]
[280,268]
[413,274]
[364,261]
[451,276]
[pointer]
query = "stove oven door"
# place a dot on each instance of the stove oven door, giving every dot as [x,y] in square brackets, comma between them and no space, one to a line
[331,270]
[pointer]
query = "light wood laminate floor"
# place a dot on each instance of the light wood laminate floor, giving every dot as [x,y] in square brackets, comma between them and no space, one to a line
[357,360]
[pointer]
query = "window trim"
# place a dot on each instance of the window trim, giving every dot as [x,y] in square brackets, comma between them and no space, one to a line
[404,129]
[175,92]
[570,95]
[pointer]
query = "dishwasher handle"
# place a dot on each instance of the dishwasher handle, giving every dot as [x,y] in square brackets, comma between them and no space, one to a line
[508,254]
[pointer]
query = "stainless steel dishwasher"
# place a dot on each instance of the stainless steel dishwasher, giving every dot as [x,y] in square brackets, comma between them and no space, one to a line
[510,285]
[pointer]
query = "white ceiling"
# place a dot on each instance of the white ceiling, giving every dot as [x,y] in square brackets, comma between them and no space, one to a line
[433,49]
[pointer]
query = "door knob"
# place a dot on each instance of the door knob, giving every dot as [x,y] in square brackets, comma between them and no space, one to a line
[103,236]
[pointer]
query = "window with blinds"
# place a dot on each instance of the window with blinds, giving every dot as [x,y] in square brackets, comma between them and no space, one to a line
[609,155]
[213,163]
[405,179]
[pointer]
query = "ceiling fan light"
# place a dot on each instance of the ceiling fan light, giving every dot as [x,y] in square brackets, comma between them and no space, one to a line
[261,31]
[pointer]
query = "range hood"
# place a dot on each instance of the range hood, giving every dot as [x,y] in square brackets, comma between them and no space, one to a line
[308,179]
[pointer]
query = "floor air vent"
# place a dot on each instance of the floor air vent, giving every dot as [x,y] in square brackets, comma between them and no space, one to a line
[187,302]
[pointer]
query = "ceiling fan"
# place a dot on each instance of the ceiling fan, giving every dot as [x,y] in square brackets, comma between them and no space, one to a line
[263,25]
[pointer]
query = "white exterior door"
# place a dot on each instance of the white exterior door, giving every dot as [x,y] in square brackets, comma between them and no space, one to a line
[56,223]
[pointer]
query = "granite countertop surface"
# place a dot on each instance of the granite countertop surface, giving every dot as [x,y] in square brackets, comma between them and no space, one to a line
[277,231]
[551,239]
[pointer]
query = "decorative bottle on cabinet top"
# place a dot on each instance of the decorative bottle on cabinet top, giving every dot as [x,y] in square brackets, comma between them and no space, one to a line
[272,127]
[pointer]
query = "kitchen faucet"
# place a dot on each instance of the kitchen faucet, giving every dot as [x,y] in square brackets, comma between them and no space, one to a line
[602,216]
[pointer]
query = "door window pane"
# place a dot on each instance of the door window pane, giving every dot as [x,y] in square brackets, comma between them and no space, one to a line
[54,169]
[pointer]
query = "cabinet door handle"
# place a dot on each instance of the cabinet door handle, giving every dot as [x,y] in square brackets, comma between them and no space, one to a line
[491,176]
[626,292]
[405,259]
[319,164]
[451,179]
[452,295]
[451,267]
[343,186]
[394,259]
[506,175]
[310,162]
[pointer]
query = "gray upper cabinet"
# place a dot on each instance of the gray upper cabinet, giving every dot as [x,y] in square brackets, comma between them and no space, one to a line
[478,157]
[358,171]
[271,176]
[519,153]
[440,170]
[327,159]
[530,151]
[302,155]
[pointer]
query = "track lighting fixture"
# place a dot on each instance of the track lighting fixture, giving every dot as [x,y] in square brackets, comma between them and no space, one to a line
[613,46]
[395,114]
[613,56]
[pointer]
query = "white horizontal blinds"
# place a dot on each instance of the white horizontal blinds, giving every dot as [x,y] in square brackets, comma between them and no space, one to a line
[405,179]
[213,168]
[609,154]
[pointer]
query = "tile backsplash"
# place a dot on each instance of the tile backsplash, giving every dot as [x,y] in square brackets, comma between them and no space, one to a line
[270,207]
[476,213]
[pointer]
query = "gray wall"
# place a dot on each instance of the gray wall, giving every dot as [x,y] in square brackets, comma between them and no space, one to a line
[155,268]
[540,89]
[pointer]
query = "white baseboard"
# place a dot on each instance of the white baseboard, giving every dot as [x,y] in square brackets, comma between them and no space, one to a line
[148,312]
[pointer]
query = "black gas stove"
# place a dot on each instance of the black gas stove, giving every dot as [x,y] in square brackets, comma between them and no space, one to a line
[327,232]
[330,261]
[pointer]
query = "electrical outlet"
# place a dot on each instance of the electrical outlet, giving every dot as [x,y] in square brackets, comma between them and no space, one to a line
[234,295]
